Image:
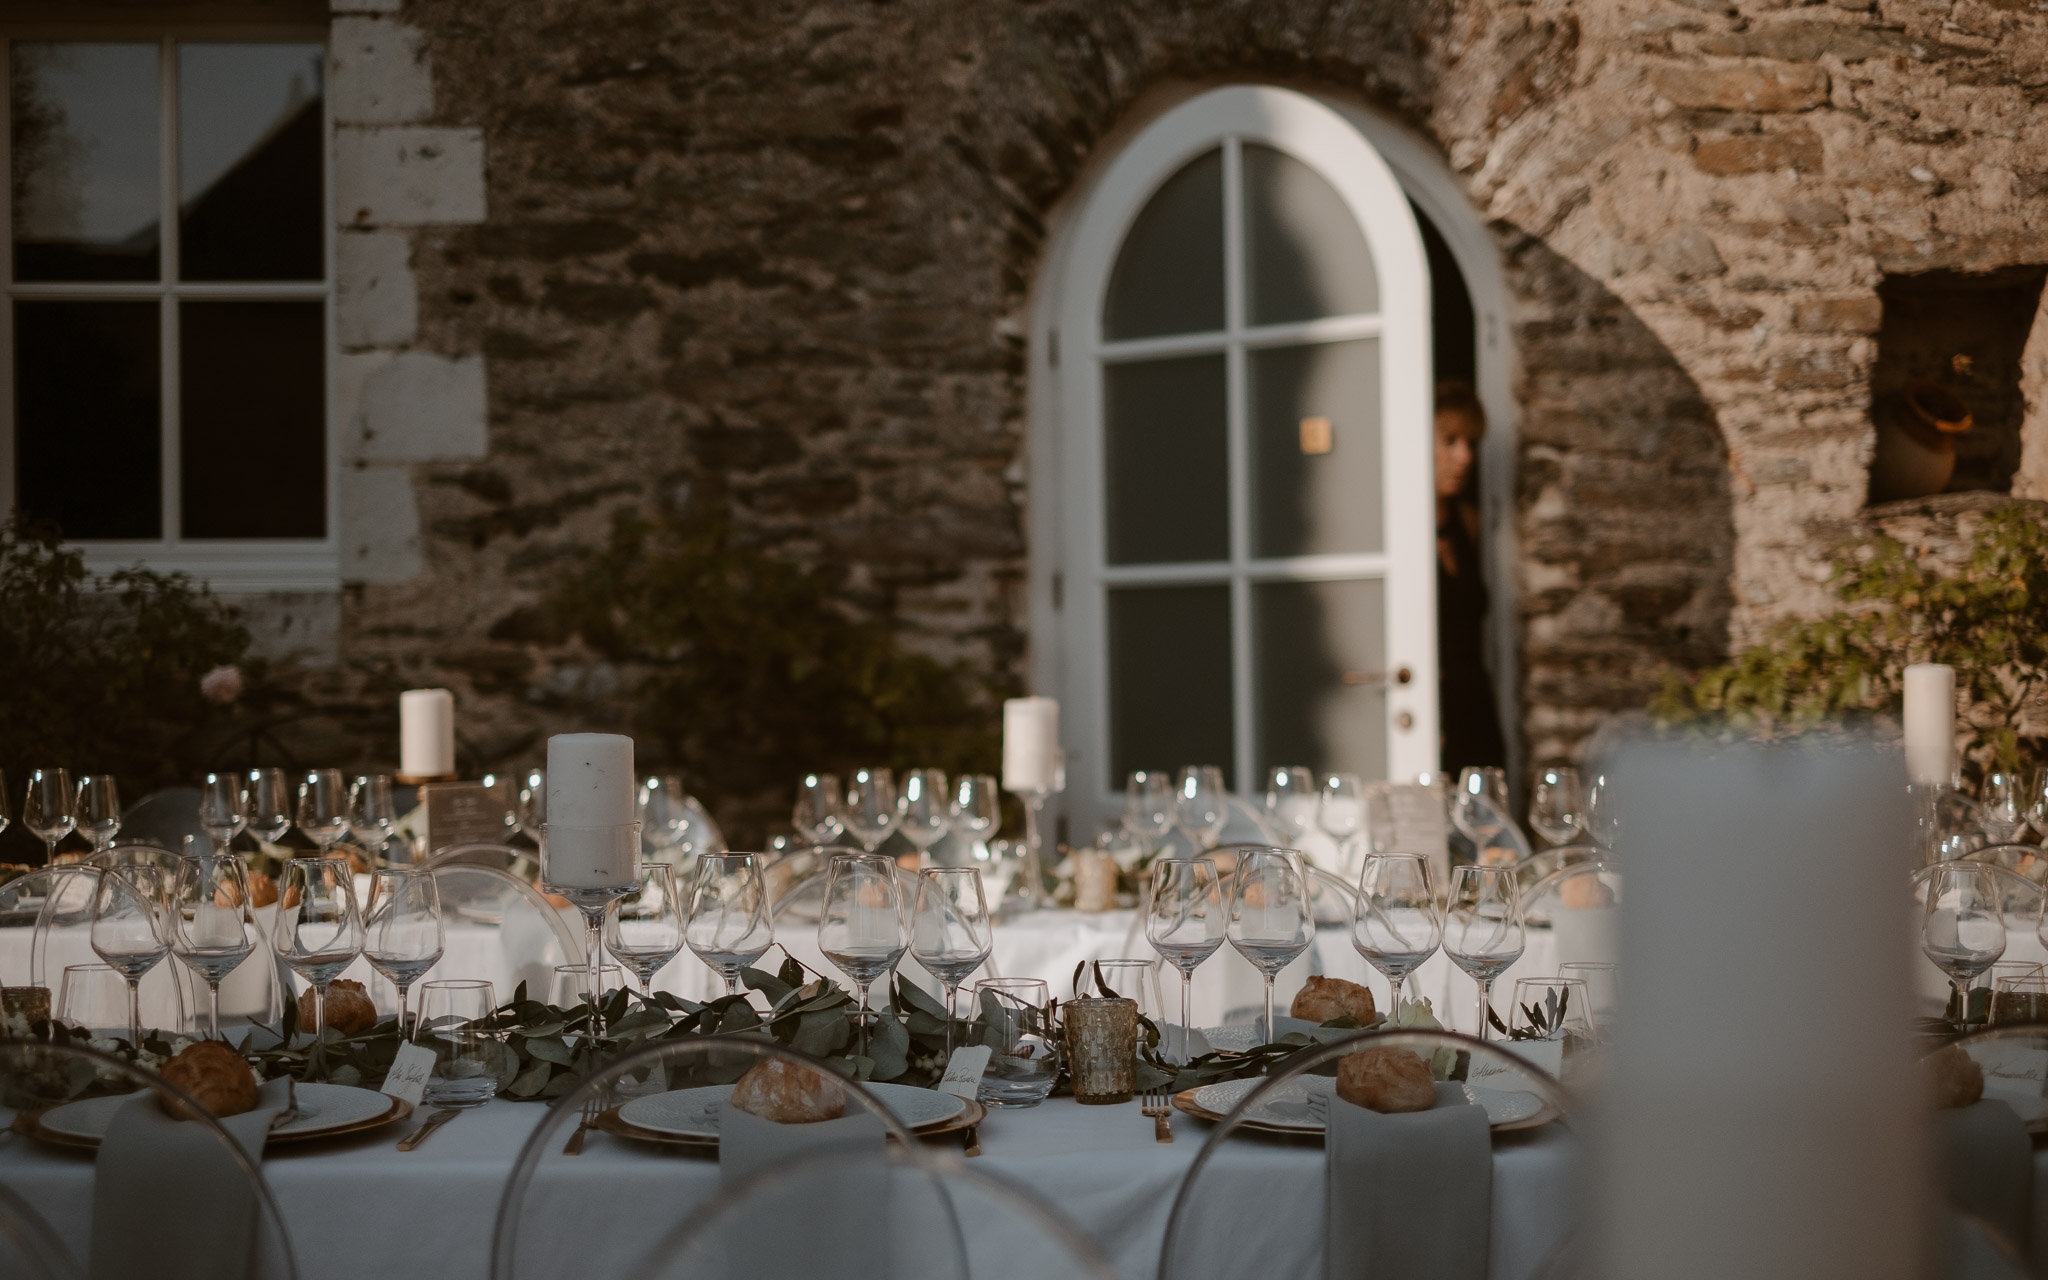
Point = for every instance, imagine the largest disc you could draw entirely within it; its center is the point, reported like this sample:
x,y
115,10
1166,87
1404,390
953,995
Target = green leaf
x,y
821,1034
547,1049
889,1047
767,984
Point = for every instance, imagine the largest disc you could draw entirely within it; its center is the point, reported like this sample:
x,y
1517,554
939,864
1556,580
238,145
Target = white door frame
x,y
1067,592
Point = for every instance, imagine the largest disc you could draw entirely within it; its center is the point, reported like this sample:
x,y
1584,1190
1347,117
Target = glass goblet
x,y
323,807
730,924
50,808
223,806
1271,918
870,810
646,931
1186,924
816,816
209,917
1398,923
128,930
1201,804
1483,930
99,809
372,811
1149,806
923,809
1291,801
271,805
951,931
403,937
977,809
860,926
1341,809
1557,805
319,928
2002,806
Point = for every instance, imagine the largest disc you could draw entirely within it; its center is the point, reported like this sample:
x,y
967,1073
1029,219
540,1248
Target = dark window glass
x,y
1169,678
88,447
1315,488
1318,651
252,430
83,127
1168,276
1304,253
1164,440
250,192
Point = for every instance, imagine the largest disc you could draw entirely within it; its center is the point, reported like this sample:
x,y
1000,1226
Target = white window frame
x,y
1070,578
231,566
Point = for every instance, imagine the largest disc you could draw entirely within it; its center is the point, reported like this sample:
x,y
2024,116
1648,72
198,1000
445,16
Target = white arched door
x,y
1238,554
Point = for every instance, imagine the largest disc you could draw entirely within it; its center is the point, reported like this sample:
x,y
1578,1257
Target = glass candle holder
x,y
1102,1049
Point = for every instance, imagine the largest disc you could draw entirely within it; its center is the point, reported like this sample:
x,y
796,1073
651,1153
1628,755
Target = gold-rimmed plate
x,y
327,1111
611,1122
1523,1118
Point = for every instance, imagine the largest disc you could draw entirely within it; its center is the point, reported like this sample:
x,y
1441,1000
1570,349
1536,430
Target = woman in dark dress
x,y
1468,723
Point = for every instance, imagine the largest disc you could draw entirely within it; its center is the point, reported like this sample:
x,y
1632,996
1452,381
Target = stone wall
x,y
782,253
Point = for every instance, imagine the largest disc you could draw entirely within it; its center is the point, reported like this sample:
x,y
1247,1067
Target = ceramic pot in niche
x,y
1916,447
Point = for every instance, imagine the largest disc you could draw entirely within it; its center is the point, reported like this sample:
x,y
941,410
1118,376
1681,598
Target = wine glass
x,y
646,931
1962,929
223,806
951,932
870,811
319,929
98,810
730,925
977,808
2037,803
1186,924
1340,810
665,811
860,928
1480,807
271,805
530,803
323,807
924,808
49,810
1601,821
2003,806
1291,801
1271,919
5,816
209,917
1200,805
372,811
816,818
1557,805
402,935
1149,806
1483,930
1398,923
128,930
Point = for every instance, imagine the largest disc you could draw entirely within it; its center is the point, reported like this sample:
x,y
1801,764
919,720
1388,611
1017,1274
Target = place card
x,y
462,813
963,1071
2012,1067
409,1073
1547,1054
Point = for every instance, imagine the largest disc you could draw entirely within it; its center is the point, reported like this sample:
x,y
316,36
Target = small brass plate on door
x,y
1315,435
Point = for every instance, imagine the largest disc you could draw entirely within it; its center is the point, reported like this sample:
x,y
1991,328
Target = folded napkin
x,y
169,1200
845,1224
1988,1166
1408,1197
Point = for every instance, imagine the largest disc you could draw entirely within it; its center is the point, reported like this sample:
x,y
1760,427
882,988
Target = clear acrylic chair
x,y
38,1078
480,854
534,935
2029,860
164,817
61,937
1252,1201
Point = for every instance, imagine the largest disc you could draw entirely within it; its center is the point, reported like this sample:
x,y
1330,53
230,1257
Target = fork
x,y
574,1146
1155,1105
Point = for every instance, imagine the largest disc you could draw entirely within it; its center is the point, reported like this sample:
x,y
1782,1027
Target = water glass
x,y
1558,1008
924,808
816,817
870,810
1150,806
951,931
569,986
209,917
861,927
1603,988
93,996
454,1025
323,807
223,806
403,936
977,809
1483,930
1962,929
1201,804
1398,922
98,809
1557,805
730,925
271,805
2020,998
1185,925
50,808
319,928
128,930
1271,918
1025,1061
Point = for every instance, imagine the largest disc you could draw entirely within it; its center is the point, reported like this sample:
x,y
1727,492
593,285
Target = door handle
x,y
1378,679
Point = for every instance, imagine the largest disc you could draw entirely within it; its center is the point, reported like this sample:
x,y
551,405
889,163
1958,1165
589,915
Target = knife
x,y
425,1131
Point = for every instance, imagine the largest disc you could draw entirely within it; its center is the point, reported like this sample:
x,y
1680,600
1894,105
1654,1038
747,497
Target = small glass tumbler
x,y
1025,1063
466,1053
1102,1049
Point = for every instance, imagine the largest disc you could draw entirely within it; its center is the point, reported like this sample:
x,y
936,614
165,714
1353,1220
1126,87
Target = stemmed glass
x,y
2003,806
209,917
1601,821
870,811
99,809
49,810
1271,918
1291,801
530,803
1149,806
924,808
1480,808
2037,803
1186,923
403,937
323,808
319,930
860,928
1200,806
372,812
223,807
664,811
730,925
1483,930
1341,810
128,930
270,804
977,808
1399,922
950,930
1557,805
646,931
816,817
1963,927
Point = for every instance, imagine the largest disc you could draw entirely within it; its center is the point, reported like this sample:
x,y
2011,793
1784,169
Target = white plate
x,y
693,1113
1237,1039
321,1107
1287,1107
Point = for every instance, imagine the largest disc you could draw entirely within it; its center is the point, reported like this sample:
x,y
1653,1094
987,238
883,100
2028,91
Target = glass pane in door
x,y
84,137
1319,654
1169,678
250,159
1315,449
1166,487
1168,276
1304,254
87,434
253,431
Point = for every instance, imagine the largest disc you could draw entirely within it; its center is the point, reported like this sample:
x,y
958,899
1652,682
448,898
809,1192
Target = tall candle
x,y
1930,723
1031,744
590,780
426,733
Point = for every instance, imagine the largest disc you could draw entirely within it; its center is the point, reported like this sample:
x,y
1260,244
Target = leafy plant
x,y
1988,619
1542,1020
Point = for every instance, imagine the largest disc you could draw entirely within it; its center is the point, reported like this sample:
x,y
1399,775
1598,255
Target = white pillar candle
x,y
1930,723
591,857
590,780
426,733
1031,744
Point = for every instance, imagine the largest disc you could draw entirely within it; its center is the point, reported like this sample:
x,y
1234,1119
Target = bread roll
x,y
1584,892
789,1093
1953,1077
1386,1080
1326,998
349,1008
216,1076
262,892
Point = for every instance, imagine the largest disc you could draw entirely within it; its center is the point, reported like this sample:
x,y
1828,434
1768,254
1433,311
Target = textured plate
x,y
325,1110
693,1113
1237,1038
972,1114
1505,1109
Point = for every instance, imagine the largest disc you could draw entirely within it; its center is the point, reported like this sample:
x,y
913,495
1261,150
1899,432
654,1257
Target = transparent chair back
x,y
32,904
2029,860
62,940
804,900
533,934
164,817
504,857
91,1085
1257,1207
1577,906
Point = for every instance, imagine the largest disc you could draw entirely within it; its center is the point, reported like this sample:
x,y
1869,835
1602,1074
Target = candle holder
x,y
1102,1049
593,867
1035,897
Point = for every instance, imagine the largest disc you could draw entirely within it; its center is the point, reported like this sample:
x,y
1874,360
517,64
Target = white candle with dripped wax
x,y
592,840
1930,718
426,733
1031,744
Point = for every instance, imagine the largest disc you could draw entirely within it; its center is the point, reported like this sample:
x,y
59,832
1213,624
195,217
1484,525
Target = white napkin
x,y
169,1200
843,1232
1408,1197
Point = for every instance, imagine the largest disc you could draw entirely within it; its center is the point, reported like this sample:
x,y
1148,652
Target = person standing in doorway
x,y
1470,726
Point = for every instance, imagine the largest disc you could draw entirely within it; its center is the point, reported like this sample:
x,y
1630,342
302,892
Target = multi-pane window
x,y
167,299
